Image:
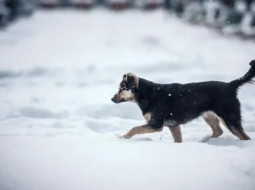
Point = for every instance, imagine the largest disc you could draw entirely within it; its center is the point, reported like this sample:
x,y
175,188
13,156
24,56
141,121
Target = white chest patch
x,y
147,117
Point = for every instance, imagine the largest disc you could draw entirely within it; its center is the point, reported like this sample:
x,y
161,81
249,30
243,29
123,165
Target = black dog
x,y
175,104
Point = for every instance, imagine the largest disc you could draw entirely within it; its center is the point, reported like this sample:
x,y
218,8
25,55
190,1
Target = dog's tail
x,y
247,78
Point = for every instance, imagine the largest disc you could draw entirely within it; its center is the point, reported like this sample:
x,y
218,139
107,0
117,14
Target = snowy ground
x,y
59,129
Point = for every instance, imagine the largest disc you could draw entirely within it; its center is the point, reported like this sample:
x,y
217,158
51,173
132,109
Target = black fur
x,y
175,104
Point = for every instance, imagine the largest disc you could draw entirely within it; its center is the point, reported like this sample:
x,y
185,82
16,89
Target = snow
x,y
59,128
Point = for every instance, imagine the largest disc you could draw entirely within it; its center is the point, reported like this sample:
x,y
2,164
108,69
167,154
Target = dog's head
x,y
127,89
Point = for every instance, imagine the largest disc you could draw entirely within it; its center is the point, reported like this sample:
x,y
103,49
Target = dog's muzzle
x,y
115,100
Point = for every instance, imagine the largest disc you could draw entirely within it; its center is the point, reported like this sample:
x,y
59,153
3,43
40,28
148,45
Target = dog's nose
x,y
113,99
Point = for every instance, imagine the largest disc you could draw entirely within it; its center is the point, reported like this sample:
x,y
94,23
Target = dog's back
x,y
184,102
188,101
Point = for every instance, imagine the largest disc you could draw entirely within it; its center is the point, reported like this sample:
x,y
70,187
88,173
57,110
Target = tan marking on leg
x,y
240,134
140,130
237,133
213,121
147,117
223,122
176,133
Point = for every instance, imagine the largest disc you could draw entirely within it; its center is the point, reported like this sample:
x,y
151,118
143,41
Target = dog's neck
x,y
142,94
144,85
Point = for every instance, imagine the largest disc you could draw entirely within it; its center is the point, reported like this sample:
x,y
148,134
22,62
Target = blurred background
x,y
61,61
231,17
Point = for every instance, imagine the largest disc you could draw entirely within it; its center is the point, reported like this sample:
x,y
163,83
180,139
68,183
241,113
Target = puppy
x,y
174,104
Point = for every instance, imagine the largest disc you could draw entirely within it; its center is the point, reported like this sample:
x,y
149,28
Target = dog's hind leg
x,y
239,132
231,118
213,121
176,133
235,128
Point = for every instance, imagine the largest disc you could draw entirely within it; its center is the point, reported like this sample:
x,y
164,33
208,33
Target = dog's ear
x,y
131,81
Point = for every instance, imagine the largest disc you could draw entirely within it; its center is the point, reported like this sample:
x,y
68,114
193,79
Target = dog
x,y
175,104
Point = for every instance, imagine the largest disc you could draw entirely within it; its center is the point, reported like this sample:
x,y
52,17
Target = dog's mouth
x,y
116,101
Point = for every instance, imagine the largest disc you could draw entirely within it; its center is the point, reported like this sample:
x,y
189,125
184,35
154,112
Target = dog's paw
x,y
124,137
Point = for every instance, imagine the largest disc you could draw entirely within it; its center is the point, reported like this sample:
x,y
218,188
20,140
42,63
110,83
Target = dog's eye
x,y
123,88
124,85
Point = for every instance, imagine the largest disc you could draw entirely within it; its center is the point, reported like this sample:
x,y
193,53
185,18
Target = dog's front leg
x,y
139,130
176,133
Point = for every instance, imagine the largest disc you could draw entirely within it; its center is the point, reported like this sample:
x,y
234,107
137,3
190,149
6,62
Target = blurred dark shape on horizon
x,y
229,17
10,10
